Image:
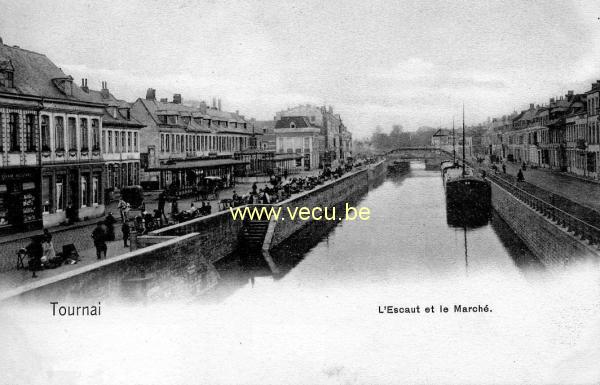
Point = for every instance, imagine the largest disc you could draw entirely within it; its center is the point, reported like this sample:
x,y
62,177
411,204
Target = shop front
x,y
20,200
71,193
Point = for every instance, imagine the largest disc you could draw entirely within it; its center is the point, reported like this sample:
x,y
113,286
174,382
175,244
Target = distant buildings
x,y
335,147
298,137
563,135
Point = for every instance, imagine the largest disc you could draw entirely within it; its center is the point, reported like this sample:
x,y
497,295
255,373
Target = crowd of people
x,y
280,188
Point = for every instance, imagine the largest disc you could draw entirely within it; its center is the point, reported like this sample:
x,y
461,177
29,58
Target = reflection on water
x,y
409,236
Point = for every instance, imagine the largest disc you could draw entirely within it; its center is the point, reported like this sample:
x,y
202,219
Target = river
x,y
407,238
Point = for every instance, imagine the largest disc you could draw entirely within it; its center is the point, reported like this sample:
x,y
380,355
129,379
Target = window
x,y
167,142
162,142
96,135
135,142
13,132
84,192
7,79
45,127
104,142
1,134
95,191
60,199
84,134
72,124
110,142
46,194
117,140
30,144
129,142
123,142
306,144
59,132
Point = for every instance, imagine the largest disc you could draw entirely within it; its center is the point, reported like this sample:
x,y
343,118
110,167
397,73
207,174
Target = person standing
x,y
99,237
110,221
35,252
520,176
161,206
125,230
504,168
123,209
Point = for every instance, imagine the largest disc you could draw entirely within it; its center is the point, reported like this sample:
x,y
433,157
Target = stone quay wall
x,y
164,269
549,242
328,195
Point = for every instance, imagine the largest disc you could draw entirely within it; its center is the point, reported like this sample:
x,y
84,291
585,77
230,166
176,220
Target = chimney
x,y
177,98
551,100
84,86
214,103
151,94
330,109
237,112
219,104
104,90
1,42
203,107
531,106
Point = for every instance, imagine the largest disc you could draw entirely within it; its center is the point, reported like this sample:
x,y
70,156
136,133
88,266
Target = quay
x,y
183,254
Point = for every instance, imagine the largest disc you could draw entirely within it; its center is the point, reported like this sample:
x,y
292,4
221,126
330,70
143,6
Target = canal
x,y
407,238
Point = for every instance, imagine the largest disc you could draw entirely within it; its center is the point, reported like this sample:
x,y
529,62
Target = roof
x,y
202,163
108,119
266,125
156,108
34,74
299,122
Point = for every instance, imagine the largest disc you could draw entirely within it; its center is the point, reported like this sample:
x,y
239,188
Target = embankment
x,y
551,243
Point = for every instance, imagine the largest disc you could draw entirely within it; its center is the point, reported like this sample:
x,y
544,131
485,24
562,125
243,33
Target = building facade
x,y
180,143
297,135
50,128
336,144
119,140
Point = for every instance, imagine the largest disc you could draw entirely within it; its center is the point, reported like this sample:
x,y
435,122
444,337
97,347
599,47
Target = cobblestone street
x,y
582,192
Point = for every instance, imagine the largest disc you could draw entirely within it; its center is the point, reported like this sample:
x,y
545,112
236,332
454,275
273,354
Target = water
x,y
407,238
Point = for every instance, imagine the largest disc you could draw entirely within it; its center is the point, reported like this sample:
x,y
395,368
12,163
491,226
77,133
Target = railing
x,y
573,224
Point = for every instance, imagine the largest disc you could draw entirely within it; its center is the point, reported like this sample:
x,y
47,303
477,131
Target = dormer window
x,y
65,85
7,72
292,125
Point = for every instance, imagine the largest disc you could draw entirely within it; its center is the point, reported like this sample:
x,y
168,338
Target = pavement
x,y
579,191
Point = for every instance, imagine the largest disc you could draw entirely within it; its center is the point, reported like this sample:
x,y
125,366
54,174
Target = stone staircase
x,y
253,234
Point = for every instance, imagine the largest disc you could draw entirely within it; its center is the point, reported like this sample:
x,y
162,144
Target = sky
x,y
412,63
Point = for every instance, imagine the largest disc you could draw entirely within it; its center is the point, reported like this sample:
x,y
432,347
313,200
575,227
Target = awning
x,y
287,156
193,164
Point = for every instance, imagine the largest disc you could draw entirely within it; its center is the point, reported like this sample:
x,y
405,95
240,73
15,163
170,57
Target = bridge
x,y
432,156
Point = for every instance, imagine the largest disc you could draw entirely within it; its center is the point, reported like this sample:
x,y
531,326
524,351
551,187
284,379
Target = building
x,y
297,135
120,140
49,128
180,144
333,152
